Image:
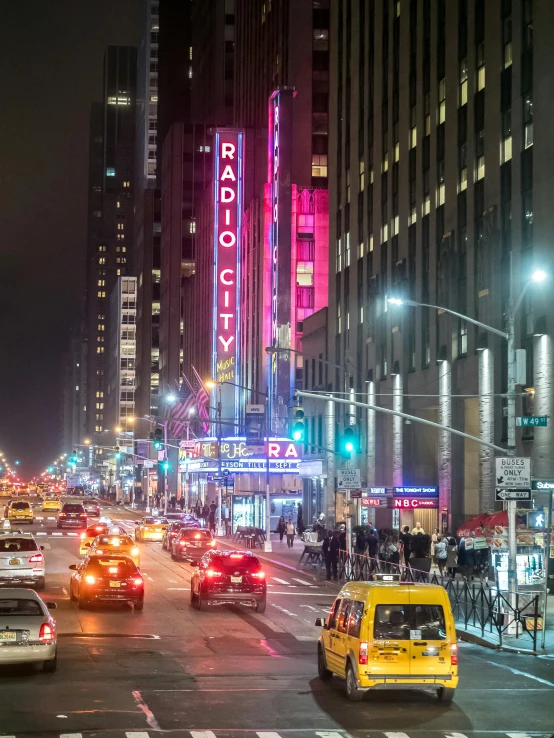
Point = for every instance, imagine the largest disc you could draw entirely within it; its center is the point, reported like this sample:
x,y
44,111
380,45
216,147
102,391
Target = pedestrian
x,y
406,538
451,556
173,502
434,538
158,498
204,514
281,527
342,537
211,520
361,543
372,548
441,553
333,546
290,533
182,503
417,529
326,550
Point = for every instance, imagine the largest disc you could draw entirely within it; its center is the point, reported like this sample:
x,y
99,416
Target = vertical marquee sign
x,y
228,203
281,370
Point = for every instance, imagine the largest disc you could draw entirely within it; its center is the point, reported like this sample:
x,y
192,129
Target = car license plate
x,y
15,562
8,635
115,584
390,657
236,580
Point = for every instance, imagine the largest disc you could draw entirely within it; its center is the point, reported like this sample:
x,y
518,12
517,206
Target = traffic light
x,y
117,452
50,470
298,427
158,439
165,466
349,441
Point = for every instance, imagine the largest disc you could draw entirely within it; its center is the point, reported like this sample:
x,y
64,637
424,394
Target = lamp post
x,y
513,306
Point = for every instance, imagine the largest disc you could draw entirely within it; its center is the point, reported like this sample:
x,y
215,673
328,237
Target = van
x,y
390,634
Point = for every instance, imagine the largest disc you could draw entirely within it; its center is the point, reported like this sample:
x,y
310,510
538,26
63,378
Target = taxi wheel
x,y
446,694
322,670
353,692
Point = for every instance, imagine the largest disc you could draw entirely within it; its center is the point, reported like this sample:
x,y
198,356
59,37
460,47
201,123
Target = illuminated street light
x,y
118,429
87,441
170,398
539,276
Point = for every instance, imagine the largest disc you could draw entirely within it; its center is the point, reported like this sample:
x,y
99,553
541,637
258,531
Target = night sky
x,y
51,54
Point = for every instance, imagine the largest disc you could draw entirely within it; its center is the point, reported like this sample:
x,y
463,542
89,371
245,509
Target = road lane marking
x,y
334,734
41,533
281,581
397,735
309,607
72,534
202,734
56,534
518,735
455,735
71,735
137,734
178,589
287,612
517,672
267,734
301,581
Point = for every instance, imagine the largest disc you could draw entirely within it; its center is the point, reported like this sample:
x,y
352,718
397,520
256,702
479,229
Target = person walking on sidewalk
x,y
281,527
330,548
441,554
291,530
182,503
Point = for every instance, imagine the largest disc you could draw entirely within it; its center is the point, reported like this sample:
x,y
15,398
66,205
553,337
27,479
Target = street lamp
x,y
537,277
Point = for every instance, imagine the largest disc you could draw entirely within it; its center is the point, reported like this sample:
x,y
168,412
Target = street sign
x,y
513,472
536,421
348,478
500,495
148,464
255,409
187,445
355,494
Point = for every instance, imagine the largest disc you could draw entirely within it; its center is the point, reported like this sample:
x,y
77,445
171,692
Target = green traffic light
x,y
297,435
118,455
165,466
349,446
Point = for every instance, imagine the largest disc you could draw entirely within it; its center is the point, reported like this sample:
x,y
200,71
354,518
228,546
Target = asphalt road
x,y
231,673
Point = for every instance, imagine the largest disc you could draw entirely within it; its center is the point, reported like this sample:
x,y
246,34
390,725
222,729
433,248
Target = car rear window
x,y
149,521
73,507
20,506
99,566
20,607
409,622
196,534
115,541
13,545
227,565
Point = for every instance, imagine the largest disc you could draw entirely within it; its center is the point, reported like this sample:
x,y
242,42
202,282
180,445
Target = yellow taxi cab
x,y
19,510
119,544
150,529
390,634
88,536
51,503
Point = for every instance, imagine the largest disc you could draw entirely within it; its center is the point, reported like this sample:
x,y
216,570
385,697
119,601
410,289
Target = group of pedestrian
x,y
288,529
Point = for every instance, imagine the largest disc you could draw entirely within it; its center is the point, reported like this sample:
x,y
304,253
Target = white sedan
x,y
27,630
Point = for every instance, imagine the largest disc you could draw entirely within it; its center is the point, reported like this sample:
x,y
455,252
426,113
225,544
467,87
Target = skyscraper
x,y
110,224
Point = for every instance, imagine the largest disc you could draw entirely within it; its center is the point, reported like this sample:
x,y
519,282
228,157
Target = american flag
x,y
202,400
180,410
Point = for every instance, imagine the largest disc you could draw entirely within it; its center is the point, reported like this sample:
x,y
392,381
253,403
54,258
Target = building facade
x,y
438,180
120,398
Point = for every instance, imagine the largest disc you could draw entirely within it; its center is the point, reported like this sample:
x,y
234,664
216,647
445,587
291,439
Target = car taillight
x,y
212,543
89,579
258,574
138,582
62,515
236,556
46,634
83,536
363,652
454,654
182,543
36,559
211,573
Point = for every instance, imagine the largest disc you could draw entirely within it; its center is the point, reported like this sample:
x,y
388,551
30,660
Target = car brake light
x,y
99,528
83,536
89,579
212,543
198,536
454,654
62,515
112,569
258,574
236,556
36,559
99,552
363,652
182,543
211,573
46,634
137,582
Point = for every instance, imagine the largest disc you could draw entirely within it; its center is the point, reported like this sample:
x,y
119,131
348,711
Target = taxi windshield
x,y
409,622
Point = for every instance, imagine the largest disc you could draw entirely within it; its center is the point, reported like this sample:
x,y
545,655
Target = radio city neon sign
x,y
275,215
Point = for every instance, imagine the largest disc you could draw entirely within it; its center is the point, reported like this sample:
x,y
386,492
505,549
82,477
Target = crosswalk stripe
x,y
41,533
72,534
397,735
518,735
328,734
202,734
281,581
137,734
455,735
301,581
71,735
56,534
267,734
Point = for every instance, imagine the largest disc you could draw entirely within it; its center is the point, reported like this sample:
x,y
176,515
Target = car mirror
x,y
73,567
51,606
42,548
137,522
320,622
87,545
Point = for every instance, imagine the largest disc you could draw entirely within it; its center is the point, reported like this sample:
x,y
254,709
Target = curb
x,y
463,635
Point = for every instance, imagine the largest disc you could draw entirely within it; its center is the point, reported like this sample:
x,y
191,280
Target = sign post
x,y
348,478
503,495
536,421
512,473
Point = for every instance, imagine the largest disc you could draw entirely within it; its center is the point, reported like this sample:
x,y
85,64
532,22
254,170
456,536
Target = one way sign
x,y
513,472
501,495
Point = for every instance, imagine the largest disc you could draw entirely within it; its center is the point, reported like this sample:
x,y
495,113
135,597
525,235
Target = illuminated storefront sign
x,y
374,502
228,178
415,491
412,503
246,466
234,449
281,369
375,491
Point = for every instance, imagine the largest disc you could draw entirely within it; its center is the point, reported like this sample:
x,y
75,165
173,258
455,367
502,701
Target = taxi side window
x,y
333,615
342,624
355,620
